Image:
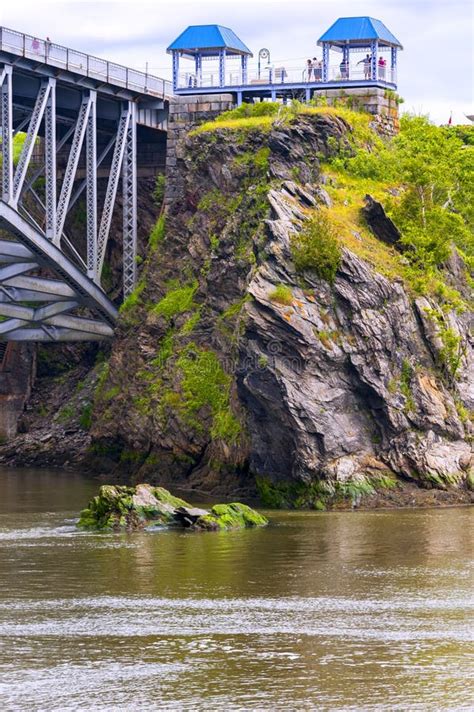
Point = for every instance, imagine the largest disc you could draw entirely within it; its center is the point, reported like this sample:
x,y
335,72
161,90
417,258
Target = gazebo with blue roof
x,y
354,52
207,43
360,34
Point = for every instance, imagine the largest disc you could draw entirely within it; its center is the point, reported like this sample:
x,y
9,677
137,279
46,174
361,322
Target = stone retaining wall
x,y
185,113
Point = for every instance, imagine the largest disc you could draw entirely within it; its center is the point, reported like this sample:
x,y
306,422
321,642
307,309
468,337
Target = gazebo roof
x,y
357,30
208,40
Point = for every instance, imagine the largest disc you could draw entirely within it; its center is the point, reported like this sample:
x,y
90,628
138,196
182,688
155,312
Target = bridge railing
x,y
80,63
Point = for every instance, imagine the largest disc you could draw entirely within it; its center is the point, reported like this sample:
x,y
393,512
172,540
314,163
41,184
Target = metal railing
x,y
86,65
276,75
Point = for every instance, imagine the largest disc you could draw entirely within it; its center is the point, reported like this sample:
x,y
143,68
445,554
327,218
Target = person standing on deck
x,y
381,68
317,69
367,61
309,70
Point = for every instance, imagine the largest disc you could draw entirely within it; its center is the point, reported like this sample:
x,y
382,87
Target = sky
x,y
435,70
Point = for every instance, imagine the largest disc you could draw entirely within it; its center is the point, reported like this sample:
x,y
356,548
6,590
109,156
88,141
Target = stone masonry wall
x,y
186,112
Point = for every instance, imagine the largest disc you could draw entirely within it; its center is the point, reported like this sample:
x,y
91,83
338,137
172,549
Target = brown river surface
x,y
319,611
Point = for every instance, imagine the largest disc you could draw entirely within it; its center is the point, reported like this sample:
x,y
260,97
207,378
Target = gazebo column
x,y
244,61
345,59
175,69
198,65
325,76
393,65
374,59
222,55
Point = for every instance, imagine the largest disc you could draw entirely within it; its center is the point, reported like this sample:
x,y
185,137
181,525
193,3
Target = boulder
x,y
132,508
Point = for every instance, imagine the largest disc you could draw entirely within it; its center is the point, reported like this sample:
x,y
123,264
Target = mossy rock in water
x,y
231,516
119,507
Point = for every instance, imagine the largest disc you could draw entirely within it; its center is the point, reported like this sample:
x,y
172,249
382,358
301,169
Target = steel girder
x,y
70,306
112,187
129,183
6,117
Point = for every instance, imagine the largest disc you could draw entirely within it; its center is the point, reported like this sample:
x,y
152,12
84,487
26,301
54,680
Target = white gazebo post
x,y
393,65
374,60
175,70
222,57
325,61
198,67
244,63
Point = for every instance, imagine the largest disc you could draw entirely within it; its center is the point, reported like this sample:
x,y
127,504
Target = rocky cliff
x,y
251,359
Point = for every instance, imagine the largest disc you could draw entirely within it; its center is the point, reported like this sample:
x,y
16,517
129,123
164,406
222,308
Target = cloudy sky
x,y
435,72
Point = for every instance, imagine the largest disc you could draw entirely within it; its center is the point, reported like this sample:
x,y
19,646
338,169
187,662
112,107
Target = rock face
x,y
232,372
132,508
339,385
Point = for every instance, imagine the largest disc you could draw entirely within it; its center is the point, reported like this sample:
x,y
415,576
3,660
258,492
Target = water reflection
x,y
318,611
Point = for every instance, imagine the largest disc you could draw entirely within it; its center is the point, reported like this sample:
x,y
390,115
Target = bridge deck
x,y
50,54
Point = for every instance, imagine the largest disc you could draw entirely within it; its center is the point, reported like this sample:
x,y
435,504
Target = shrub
x,y
157,234
159,190
282,295
316,247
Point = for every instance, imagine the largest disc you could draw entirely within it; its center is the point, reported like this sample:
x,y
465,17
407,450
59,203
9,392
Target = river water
x,y
331,611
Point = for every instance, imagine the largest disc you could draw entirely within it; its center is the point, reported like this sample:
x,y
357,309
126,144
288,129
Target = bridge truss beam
x,y
38,261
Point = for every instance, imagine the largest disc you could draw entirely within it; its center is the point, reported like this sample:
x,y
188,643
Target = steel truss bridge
x,y
77,113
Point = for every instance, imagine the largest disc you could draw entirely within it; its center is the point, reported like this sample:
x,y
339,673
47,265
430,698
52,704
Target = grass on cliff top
x,y
249,123
262,117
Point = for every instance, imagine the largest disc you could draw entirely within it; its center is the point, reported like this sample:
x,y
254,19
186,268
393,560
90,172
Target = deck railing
x,y
86,65
276,75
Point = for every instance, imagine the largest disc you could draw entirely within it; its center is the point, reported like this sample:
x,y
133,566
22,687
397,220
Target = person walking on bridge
x,y
309,70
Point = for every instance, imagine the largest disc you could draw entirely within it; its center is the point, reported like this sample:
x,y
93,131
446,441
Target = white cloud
x,y
435,69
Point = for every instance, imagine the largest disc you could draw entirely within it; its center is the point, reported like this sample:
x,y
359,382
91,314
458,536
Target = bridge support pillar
x,y
50,163
129,180
6,124
91,192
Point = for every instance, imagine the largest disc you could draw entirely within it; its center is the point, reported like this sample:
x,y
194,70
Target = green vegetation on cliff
x,y
433,170
204,386
316,247
321,494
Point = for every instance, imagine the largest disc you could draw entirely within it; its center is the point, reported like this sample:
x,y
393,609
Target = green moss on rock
x,y
321,494
118,508
232,516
